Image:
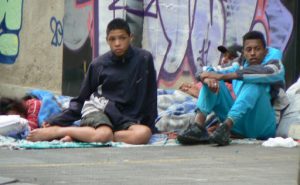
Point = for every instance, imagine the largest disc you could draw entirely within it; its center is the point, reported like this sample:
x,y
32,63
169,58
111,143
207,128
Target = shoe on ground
x,y
221,135
194,135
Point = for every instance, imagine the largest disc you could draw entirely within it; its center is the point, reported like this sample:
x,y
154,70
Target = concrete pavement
x,y
200,164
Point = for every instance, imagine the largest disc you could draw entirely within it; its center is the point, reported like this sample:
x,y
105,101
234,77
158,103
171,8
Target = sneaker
x,y
221,135
193,135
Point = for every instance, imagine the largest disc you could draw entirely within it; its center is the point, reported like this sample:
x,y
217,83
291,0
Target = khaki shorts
x,y
95,119
125,126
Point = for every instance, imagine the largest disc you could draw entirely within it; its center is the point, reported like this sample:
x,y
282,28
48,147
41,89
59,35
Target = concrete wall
x,y
38,60
182,35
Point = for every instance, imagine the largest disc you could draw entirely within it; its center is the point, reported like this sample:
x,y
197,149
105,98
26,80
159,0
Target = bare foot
x,y
211,129
185,87
44,134
66,139
191,89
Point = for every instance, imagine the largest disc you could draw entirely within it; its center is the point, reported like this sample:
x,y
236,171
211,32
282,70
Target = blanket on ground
x,y
175,110
11,143
156,140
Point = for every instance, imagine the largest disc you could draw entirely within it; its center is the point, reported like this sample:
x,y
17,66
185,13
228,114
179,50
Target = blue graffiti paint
x,y
57,30
139,12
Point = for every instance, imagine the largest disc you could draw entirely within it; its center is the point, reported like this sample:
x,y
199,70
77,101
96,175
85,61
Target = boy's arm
x,y
225,69
73,113
271,72
151,105
217,76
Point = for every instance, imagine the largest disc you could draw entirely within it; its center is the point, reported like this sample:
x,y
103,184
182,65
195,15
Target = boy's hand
x,y
45,125
212,84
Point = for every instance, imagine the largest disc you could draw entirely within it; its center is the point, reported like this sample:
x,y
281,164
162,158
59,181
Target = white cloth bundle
x,y
13,126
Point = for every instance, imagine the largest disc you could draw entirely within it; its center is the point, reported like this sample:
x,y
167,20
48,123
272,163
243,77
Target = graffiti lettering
x,y
184,35
10,25
57,30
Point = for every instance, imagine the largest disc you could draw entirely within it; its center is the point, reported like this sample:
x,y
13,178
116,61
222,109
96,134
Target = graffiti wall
x,y
189,39
31,36
183,35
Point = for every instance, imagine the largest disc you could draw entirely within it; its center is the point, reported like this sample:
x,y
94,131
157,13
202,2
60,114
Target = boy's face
x,y
254,51
227,58
118,41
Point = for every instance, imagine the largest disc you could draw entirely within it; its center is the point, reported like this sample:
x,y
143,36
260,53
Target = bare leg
x,y
228,122
85,134
136,134
44,134
211,129
200,118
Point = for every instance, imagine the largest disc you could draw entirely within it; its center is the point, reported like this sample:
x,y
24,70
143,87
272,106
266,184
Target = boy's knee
x,y
102,135
145,131
142,133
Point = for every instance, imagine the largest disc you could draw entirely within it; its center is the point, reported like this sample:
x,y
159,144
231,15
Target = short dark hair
x,y
233,50
10,104
255,35
118,23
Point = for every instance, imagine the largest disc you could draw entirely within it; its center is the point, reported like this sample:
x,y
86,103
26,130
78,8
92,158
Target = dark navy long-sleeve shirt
x,y
129,83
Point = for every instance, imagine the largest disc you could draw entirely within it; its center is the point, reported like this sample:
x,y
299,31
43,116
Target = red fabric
x,y
199,85
33,107
229,86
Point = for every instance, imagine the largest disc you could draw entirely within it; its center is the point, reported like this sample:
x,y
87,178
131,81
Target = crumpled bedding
x,y
175,110
51,103
14,126
290,123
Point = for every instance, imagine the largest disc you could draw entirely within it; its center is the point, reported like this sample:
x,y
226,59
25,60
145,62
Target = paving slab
x,y
5,180
200,164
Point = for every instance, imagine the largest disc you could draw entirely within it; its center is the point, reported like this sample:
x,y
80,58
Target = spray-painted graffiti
x,y
78,47
183,34
10,26
57,30
190,38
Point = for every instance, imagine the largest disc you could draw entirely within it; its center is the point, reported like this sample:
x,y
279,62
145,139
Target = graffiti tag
x,y
57,30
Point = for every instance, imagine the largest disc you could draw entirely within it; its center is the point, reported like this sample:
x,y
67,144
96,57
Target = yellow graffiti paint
x,y
10,48
11,11
10,21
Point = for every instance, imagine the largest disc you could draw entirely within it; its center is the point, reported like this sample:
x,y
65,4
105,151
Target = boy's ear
x,y
266,51
131,37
